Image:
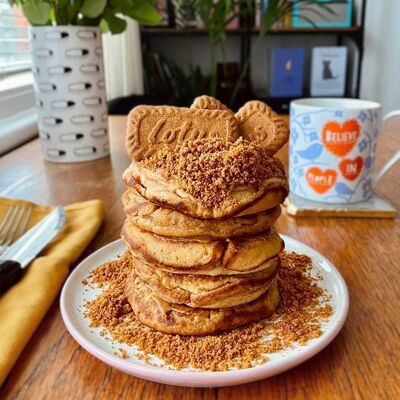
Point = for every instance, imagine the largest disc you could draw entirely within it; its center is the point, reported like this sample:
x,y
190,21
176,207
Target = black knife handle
x,y
10,273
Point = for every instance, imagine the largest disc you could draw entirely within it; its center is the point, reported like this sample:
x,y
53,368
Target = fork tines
x,y
13,225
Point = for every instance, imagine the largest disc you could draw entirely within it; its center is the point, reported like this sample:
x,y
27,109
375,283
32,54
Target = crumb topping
x,y
298,319
210,169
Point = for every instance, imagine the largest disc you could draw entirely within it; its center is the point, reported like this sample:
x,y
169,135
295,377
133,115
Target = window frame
x,y
18,116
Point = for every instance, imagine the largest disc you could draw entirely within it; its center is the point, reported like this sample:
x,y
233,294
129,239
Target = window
x,y
14,40
17,113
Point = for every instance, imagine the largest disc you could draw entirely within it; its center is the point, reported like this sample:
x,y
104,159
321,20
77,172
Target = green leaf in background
x,y
103,26
115,24
36,11
73,11
62,3
62,17
93,8
101,13
143,11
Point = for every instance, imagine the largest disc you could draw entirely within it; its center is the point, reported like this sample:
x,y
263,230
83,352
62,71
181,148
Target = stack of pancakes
x,y
201,267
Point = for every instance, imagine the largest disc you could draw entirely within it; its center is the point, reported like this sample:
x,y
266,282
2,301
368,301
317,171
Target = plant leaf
x,y
93,8
115,24
62,3
73,11
103,26
37,12
270,16
142,11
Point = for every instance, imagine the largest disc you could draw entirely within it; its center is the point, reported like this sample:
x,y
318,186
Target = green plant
x,y
171,83
276,11
217,14
103,13
188,84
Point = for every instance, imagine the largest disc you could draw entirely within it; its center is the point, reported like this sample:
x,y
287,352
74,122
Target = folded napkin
x,y
24,305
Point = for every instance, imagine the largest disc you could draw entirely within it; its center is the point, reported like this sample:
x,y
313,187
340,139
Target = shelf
x,y
351,31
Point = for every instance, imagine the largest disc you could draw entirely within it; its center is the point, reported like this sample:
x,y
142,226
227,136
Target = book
x,y
328,71
264,6
258,13
162,8
339,17
235,23
286,72
287,19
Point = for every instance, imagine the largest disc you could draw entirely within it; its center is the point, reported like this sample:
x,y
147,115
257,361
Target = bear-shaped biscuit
x,y
151,127
258,123
208,103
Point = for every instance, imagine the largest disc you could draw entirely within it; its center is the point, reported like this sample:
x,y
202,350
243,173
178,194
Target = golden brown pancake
x,y
164,192
202,256
166,222
182,320
205,291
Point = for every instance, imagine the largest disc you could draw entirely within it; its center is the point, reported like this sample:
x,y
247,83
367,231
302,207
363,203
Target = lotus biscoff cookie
x,y
258,123
208,103
151,127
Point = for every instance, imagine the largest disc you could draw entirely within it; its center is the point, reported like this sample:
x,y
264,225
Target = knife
x,y
17,257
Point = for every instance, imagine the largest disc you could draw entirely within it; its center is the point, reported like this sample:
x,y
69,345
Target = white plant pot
x,y
70,92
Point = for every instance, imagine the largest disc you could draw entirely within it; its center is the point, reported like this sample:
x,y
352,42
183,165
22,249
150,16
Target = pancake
x,y
201,256
164,192
166,222
182,320
222,291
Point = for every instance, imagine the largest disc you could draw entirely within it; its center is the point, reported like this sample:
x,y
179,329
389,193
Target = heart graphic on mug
x,y
339,139
351,169
321,180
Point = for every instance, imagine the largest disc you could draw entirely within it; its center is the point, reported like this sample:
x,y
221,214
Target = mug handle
x,y
393,160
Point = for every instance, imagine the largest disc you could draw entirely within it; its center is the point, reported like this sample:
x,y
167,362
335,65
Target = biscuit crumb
x,y
298,319
210,169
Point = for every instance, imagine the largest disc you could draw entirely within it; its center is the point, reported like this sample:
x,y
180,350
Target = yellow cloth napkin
x,y
24,305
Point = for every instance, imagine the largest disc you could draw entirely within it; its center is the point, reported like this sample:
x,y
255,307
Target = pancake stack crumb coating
x,y
200,229
303,308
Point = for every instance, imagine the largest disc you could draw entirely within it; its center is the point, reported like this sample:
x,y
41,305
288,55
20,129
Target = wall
x,y
380,79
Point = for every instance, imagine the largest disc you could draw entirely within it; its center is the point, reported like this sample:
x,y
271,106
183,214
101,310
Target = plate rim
x,y
206,378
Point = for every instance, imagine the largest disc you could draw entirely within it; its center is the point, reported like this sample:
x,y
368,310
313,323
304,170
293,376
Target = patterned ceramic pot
x,y
70,92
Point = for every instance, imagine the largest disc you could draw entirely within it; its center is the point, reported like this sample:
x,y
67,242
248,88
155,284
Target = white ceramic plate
x,y
73,297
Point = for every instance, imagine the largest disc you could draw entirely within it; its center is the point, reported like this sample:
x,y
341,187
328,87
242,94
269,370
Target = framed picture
x,y
328,71
340,18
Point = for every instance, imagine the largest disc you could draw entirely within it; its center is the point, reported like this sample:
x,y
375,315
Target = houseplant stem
x,y
243,72
213,75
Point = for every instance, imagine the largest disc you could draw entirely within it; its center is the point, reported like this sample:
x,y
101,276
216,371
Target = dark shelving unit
x,y
353,33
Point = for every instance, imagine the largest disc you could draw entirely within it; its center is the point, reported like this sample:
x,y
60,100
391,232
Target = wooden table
x,y
361,363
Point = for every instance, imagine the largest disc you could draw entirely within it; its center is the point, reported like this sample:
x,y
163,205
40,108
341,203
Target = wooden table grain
x,y
361,363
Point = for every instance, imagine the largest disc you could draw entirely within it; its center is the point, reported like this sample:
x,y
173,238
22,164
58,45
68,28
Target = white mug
x,y
332,149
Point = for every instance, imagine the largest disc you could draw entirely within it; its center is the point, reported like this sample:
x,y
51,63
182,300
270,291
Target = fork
x,y
13,225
